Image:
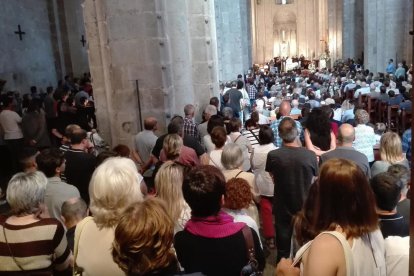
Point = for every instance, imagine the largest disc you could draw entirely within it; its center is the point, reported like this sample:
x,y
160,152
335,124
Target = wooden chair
x,y
405,120
363,101
382,112
393,118
371,108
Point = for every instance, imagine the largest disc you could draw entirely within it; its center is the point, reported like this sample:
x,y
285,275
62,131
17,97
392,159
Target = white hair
x,y
114,185
211,110
26,191
232,156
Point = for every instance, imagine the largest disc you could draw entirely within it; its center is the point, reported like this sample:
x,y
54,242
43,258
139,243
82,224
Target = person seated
x,y
390,150
211,242
393,98
402,173
44,246
387,191
73,211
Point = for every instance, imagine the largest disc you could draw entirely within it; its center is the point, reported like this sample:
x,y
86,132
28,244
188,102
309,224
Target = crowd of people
x,y
290,162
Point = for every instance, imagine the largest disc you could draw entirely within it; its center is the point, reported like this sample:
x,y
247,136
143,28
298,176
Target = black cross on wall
x,y
19,32
83,41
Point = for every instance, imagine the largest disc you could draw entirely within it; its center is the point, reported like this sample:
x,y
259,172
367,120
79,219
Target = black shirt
x,y
215,256
79,169
293,169
394,225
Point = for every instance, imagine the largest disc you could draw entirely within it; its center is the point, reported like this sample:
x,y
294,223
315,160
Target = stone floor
x,y
270,261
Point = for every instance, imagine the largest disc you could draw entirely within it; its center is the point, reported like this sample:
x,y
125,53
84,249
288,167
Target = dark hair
x,y
176,125
48,160
288,131
215,120
255,116
234,125
266,135
77,136
218,136
319,128
240,84
387,190
203,188
214,101
391,93
354,210
250,123
122,150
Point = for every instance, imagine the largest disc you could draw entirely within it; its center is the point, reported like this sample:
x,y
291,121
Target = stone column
x,y
335,9
167,46
386,32
352,29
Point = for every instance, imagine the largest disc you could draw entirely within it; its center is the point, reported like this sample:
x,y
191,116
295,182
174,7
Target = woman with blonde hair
x,y
168,183
390,153
114,186
145,247
173,149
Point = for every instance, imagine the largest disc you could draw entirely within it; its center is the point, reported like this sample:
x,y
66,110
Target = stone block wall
x,y
168,46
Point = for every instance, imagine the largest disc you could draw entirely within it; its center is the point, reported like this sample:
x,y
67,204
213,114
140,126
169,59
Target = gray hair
x,y
189,109
211,110
288,130
227,113
232,156
74,208
361,116
26,191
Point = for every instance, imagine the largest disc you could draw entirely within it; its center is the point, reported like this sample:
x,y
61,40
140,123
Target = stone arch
x,y
284,33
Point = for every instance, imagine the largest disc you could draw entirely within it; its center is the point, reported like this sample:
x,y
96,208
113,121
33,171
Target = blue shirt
x,y
390,68
406,144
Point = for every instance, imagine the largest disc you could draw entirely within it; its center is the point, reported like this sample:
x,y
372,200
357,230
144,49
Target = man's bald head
x,y
150,123
346,134
284,108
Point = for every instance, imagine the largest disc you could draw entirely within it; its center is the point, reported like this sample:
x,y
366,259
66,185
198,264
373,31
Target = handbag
x,y
77,270
251,268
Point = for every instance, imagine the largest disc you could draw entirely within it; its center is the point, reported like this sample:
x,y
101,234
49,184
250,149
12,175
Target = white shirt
x,y
397,251
9,121
263,179
215,159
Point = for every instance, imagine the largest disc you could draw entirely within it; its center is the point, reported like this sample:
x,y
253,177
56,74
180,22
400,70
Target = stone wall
x,y
386,25
233,29
168,46
353,29
29,61
75,30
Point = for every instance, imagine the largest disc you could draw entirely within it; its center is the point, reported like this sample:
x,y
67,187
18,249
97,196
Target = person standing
x,y
293,169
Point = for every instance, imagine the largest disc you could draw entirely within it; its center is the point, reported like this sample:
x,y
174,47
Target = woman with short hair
x,y
219,138
145,247
114,186
232,160
390,152
168,186
236,137
29,242
265,182
212,243
215,120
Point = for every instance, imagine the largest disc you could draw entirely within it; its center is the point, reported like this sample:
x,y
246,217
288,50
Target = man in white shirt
x,y
145,140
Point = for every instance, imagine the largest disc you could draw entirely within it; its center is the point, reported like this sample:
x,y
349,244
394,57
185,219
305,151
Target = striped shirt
x,y
250,135
35,246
